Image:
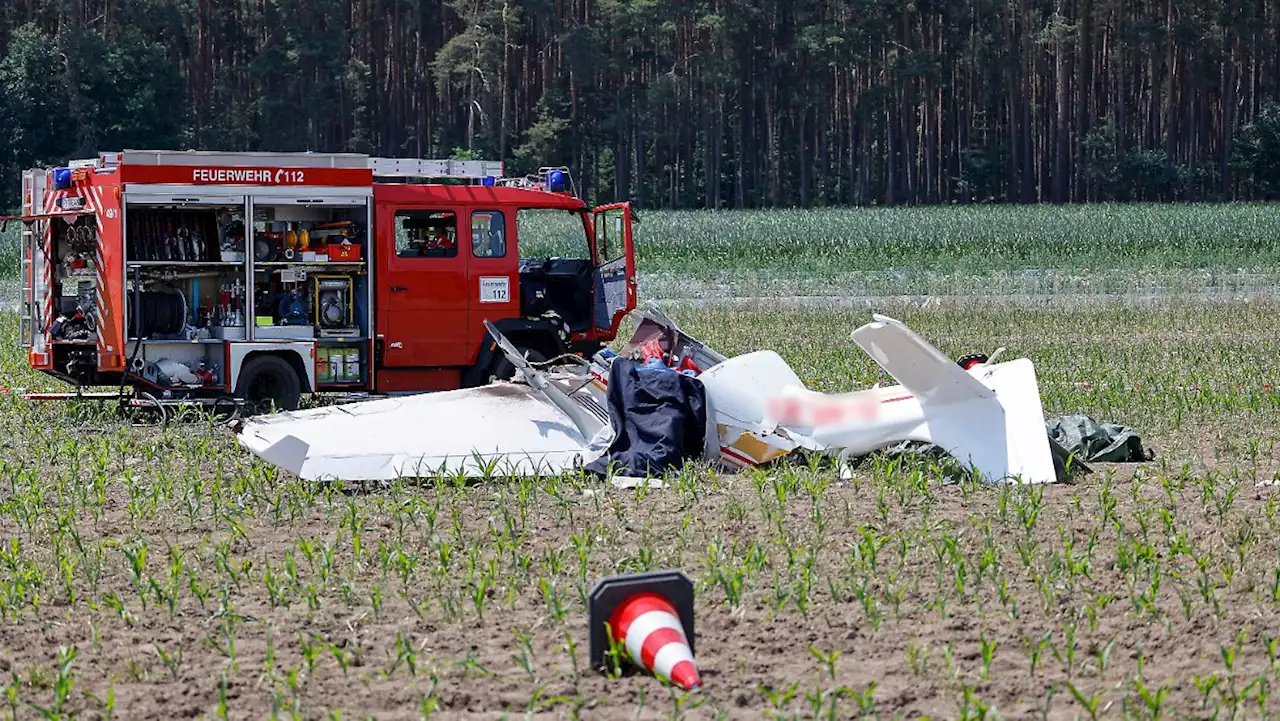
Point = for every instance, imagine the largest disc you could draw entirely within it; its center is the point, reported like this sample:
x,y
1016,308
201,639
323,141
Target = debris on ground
x,y
503,429
668,399
1100,442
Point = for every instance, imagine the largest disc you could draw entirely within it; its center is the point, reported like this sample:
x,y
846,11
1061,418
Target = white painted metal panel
x,y
508,425
931,376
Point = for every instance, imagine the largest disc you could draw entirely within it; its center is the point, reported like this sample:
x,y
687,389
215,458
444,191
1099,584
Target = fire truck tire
x,y
268,379
503,370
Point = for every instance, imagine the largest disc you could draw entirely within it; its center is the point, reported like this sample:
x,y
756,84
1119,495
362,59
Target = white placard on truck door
x,y
495,289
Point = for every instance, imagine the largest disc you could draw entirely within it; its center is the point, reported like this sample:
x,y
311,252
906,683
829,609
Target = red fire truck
x,y
204,276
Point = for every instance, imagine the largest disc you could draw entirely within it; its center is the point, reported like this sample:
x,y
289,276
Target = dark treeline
x,y
709,103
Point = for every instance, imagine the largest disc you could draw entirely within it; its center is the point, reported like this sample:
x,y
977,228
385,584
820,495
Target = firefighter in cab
x,y
432,237
441,241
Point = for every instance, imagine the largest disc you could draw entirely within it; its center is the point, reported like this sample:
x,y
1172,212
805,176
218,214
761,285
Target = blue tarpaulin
x,y
659,420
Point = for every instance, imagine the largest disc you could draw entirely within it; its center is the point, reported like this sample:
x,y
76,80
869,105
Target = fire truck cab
x,y
267,276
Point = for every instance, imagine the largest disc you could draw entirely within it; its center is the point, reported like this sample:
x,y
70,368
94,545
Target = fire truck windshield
x,y
552,234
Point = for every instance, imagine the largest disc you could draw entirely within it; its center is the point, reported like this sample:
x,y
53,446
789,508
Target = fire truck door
x,y
615,260
423,288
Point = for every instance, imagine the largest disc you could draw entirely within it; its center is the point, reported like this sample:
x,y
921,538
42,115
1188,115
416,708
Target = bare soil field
x,y
165,573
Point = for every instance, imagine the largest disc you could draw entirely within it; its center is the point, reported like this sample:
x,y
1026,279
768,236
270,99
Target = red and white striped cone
x,y
651,616
647,624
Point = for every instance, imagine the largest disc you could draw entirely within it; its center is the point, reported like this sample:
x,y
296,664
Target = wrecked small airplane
x,y
988,416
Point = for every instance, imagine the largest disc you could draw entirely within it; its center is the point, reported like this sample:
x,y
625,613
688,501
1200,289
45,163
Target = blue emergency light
x,y
61,178
488,181
555,181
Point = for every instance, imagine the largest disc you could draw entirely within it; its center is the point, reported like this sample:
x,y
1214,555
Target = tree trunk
x,y
1084,97
1061,129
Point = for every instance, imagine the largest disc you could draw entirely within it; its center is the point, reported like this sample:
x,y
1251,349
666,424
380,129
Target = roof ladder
x,y
423,168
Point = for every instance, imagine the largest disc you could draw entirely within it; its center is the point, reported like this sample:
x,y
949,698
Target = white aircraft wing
x,y
502,430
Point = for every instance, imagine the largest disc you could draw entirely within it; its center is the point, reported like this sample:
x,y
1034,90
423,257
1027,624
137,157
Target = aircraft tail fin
x,y
991,418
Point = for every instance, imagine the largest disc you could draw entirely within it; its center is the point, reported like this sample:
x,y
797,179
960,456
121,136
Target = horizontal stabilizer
x,y
918,366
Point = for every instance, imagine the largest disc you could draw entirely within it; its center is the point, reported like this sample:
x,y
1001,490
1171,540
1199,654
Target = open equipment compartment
x,y
73,330
185,286
310,263
182,232
74,278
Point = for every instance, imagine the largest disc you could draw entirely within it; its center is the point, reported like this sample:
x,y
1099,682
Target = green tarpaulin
x,y
1090,440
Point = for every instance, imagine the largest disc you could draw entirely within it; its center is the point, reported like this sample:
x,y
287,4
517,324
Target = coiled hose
x,y
159,313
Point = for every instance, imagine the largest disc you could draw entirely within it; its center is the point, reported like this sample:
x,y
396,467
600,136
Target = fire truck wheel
x,y
268,380
505,371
